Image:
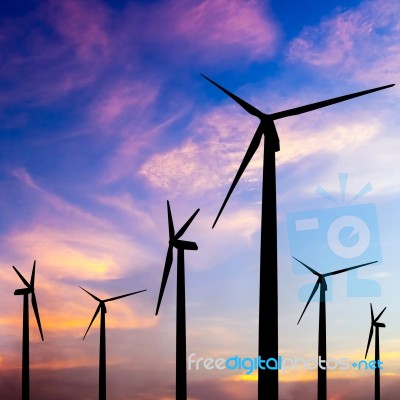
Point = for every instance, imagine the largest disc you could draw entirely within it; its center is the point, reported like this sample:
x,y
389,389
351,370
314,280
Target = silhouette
x,y
181,246
377,325
321,283
102,360
29,290
268,311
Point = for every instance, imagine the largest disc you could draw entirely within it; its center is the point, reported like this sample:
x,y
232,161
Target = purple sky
x,y
104,116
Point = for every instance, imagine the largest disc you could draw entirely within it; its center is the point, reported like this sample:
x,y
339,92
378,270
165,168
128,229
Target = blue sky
x,y
104,116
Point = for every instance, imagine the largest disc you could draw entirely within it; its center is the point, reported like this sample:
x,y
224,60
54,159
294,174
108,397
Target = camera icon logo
x,y
335,238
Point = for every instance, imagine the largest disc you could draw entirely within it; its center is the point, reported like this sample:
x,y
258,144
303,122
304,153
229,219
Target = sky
x,y
104,116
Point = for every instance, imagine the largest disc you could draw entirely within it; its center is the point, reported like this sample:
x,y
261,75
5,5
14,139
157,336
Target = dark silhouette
x,y
321,282
102,360
377,325
181,246
30,289
268,311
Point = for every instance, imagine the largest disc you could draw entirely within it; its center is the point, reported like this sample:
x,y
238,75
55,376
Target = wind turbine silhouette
x,y
102,360
181,246
377,325
321,283
268,311
28,290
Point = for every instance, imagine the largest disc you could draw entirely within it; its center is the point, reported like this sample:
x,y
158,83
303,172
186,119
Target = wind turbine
x,y
181,246
321,283
268,311
377,325
29,289
102,360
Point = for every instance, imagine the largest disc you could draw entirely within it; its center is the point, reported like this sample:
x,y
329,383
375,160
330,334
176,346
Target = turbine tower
x,y
375,324
28,290
268,311
181,246
102,359
323,287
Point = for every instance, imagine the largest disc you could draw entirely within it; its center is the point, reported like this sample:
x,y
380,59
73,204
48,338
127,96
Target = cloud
x,y
224,28
73,45
209,159
53,50
83,25
363,41
69,241
68,252
138,138
122,99
56,202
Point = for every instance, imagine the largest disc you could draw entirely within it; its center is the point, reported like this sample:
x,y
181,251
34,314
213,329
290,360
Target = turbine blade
x,y
33,275
167,269
372,314
91,322
96,298
36,311
22,278
124,295
255,142
184,227
324,103
339,271
310,298
369,340
171,228
309,268
376,319
248,107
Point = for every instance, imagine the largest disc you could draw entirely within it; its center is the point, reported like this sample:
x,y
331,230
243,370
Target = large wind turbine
x,y
375,324
30,289
268,311
102,360
321,283
181,246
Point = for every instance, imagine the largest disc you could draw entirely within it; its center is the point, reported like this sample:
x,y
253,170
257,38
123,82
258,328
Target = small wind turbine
x,y
268,311
323,287
102,360
30,289
181,246
377,325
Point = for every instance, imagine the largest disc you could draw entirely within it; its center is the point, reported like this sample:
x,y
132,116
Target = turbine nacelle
x,y
23,291
183,244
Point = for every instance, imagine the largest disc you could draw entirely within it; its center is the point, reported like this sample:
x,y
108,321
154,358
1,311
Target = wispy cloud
x,y
57,202
362,40
122,99
137,141
83,25
225,28
210,158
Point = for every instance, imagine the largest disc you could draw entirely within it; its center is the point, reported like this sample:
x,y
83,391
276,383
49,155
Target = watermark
x,y
250,365
334,238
